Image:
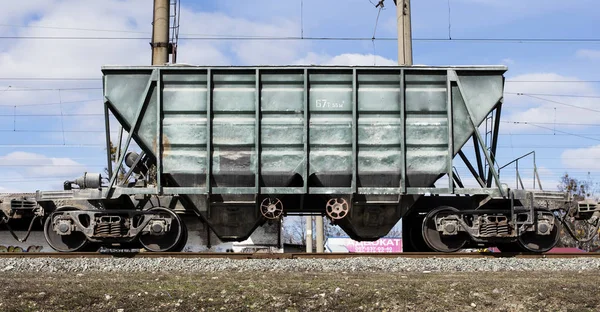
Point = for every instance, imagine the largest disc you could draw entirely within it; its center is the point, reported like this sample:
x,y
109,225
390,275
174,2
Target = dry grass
x,y
301,292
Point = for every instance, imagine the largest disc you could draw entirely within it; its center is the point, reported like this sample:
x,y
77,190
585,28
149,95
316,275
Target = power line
x,y
75,28
575,169
560,103
49,115
193,36
33,180
48,78
553,81
544,134
290,38
52,145
568,133
47,104
114,131
553,123
25,89
55,131
546,158
449,21
100,78
49,165
534,146
558,95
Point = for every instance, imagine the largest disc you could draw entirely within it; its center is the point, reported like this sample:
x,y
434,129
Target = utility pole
x,y
309,237
404,32
160,32
320,234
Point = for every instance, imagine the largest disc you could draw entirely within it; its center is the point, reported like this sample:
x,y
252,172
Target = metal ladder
x,y
174,18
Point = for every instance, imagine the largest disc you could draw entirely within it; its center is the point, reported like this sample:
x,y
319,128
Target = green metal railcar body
x,y
360,143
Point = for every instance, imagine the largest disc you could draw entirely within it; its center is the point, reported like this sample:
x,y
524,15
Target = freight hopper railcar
x,y
239,146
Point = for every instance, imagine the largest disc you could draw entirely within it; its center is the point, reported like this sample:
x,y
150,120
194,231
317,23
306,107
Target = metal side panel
x,y
321,128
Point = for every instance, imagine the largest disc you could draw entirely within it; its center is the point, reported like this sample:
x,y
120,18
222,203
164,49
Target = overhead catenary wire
x,y
26,89
302,37
75,28
449,21
54,131
292,38
52,165
564,132
560,103
380,5
53,145
555,95
100,79
553,123
54,103
197,36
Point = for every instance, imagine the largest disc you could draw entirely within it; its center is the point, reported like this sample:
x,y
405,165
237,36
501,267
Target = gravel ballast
x,y
425,265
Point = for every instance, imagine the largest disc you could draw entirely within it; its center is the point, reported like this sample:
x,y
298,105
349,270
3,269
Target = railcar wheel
x,y
64,243
534,242
167,240
435,239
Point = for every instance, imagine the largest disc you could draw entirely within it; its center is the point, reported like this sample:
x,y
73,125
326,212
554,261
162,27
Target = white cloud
x,y
549,109
16,11
84,58
507,61
586,157
42,166
589,54
348,59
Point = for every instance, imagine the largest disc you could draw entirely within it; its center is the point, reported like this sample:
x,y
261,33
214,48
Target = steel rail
x,y
241,256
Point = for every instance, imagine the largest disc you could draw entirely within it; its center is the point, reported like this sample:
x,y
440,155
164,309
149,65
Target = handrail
x,y
536,177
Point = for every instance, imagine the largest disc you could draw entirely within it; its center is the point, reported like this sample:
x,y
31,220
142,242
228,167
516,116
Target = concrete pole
x,y
320,234
404,33
160,32
309,238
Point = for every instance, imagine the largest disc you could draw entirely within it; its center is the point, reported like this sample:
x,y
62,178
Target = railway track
x,y
242,256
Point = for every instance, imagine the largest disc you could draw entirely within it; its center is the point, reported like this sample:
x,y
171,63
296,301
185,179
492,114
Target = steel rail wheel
x,y
165,241
64,243
534,242
435,239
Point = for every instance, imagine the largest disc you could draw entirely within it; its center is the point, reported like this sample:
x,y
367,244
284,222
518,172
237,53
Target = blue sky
x,y
65,140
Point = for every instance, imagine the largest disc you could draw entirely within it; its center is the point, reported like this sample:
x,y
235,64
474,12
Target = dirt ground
x,y
260,291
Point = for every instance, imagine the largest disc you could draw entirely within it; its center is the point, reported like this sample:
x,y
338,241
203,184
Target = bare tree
x,y
333,230
578,190
295,230
396,231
